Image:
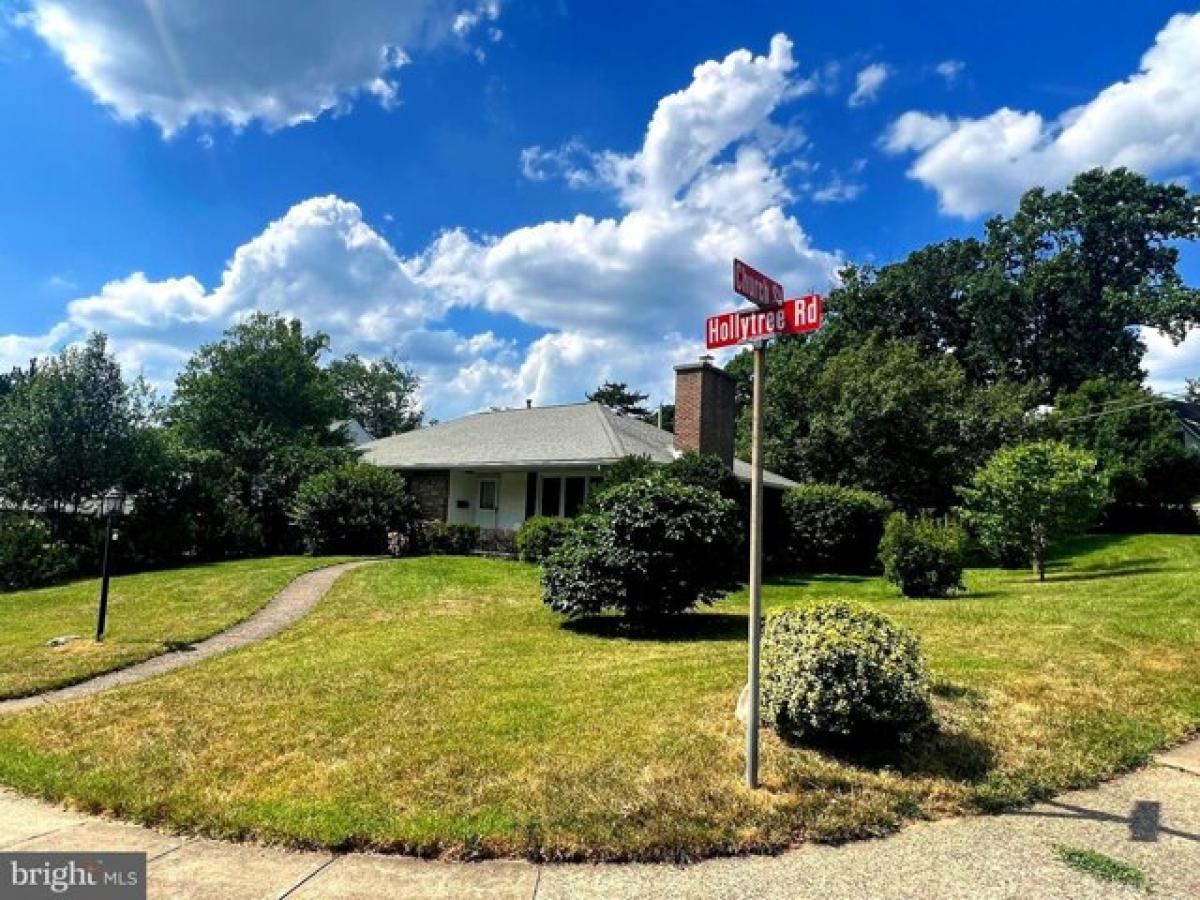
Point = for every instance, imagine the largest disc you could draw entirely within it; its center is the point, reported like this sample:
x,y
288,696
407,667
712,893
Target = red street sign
x,y
800,315
755,286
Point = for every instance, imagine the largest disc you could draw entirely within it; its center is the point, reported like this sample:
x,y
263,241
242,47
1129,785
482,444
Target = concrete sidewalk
x,y
1150,819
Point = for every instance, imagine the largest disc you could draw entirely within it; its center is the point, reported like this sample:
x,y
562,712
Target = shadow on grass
x,y
939,753
1108,572
687,627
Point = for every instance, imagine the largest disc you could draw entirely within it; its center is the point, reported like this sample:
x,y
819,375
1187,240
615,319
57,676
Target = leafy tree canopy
x,y
1047,297
1137,439
253,411
381,394
617,395
1033,495
66,429
882,416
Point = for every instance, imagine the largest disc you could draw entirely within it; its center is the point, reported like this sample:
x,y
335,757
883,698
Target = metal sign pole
x,y
756,528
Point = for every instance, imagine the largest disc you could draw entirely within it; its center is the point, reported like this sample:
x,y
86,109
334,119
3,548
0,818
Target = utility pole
x,y
756,531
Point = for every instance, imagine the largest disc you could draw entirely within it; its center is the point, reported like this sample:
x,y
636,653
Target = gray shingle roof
x,y
545,436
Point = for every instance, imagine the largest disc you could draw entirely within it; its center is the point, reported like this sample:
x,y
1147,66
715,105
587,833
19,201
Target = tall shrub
x,y
922,557
351,509
29,554
653,547
833,528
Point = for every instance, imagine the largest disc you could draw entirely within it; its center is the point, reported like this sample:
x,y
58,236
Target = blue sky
x,y
525,198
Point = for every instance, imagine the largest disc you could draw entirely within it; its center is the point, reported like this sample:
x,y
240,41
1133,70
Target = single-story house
x,y
496,469
1189,422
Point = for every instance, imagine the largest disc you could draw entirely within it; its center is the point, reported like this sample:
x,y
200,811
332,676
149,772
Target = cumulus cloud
x,y
620,297
703,187
279,62
868,83
1149,122
1169,364
16,350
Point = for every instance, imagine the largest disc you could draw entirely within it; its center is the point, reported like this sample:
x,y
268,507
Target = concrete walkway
x,y
1149,819
289,605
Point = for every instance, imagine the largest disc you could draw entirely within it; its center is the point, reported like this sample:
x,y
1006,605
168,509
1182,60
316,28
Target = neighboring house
x,y
496,469
354,431
1189,420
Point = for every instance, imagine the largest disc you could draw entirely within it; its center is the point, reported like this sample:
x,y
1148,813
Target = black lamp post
x,y
110,505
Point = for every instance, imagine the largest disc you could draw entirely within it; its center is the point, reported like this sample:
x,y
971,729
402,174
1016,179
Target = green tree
x,y
66,429
1049,295
380,394
883,417
617,395
253,412
1033,495
1138,441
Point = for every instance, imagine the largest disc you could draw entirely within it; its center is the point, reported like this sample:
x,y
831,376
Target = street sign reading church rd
x,y
755,286
799,315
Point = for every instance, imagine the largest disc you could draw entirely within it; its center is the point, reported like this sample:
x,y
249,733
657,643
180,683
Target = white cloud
x,y
868,83
838,190
137,302
16,350
573,162
703,188
915,131
620,297
1169,365
1149,122
279,62
950,69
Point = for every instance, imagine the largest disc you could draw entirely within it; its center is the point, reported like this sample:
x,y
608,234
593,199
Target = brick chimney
x,y
704,410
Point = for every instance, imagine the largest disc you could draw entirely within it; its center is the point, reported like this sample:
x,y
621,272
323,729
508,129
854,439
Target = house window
x,y
552,496
487,493
573,496
563,495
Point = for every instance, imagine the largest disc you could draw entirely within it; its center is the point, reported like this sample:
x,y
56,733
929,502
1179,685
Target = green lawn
x,y
146,613
434,706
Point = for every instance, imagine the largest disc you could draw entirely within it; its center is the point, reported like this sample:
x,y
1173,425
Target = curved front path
x,y
288,606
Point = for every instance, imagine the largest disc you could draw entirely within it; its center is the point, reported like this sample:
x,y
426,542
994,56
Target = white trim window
x,y
561,496
489,495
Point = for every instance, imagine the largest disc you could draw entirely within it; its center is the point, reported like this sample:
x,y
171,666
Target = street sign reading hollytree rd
x,y
800,315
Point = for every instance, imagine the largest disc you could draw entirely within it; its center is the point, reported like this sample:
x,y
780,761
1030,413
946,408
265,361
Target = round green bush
x,y
835,671
29,555
833,528
653,547
351,508
922,557
539,536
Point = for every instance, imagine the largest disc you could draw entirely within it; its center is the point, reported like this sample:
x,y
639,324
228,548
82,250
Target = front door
x,y
489,503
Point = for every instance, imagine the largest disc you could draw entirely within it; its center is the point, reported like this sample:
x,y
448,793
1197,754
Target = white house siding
x,y
463,500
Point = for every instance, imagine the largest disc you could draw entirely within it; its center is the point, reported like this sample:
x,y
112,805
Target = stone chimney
x,y
704,410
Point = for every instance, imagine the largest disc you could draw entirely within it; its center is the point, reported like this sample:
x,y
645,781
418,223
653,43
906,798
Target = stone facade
x,y
432,493
704,410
